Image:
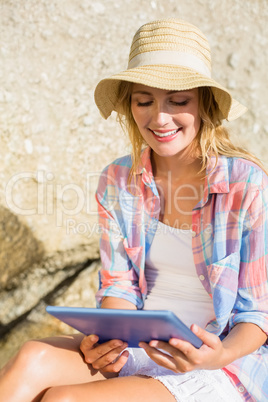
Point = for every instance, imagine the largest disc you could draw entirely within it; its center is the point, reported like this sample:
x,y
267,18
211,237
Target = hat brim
x,y
166,77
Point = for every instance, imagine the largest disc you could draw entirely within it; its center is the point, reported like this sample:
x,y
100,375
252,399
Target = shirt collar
x,y
217,179
145,166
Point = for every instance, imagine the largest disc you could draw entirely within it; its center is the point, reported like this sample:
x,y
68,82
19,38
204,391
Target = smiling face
x,y
167,120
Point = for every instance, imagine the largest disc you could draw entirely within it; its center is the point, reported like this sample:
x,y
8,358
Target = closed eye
x,y
142,104
149,103
184,103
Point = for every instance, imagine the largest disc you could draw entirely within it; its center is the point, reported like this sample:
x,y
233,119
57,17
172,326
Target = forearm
x,y
242,340
117,303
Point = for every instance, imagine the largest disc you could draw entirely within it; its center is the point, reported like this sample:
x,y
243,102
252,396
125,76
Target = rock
x,y
29,288
81,293
39,324
19,248
233,60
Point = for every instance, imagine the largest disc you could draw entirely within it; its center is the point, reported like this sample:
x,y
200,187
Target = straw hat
x,y
169,54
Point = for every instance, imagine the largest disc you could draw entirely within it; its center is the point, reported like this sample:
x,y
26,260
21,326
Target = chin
x,y
168,152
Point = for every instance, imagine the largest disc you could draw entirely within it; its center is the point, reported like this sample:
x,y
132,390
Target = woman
x,y
184,223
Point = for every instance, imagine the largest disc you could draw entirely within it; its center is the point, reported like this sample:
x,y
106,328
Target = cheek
x,y
195,121
190,121
138,116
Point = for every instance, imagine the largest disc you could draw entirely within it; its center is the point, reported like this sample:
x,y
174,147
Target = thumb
x,y
88,342
206,337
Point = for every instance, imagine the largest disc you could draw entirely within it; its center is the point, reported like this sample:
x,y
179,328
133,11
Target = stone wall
x,y
53,142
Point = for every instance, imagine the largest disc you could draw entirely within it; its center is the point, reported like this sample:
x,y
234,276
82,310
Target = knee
x,y
59,394
32,351
33,354
24,376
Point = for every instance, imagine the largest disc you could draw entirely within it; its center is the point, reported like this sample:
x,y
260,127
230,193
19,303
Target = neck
x,y
180,166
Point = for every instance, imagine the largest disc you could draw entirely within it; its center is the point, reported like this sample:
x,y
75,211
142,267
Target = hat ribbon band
x,y
170,57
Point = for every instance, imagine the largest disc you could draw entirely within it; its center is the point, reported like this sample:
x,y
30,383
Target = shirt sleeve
x,y
251,304
117,276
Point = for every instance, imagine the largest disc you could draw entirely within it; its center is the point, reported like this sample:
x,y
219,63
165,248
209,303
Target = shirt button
x,y
241,389
193,233
201,277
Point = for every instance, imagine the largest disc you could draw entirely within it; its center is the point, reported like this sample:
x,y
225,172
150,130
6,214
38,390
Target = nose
x,y
161,117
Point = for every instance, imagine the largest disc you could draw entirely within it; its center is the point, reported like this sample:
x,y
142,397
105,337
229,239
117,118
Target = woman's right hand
x,y
108,357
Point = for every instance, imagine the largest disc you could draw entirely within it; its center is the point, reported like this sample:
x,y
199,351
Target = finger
x,y
208,339
175,347
180,350
88,342
93,354
177,362
108,358
118,364
186,348
162,359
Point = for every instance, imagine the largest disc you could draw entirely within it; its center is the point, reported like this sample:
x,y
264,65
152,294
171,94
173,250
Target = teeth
x,y
165,134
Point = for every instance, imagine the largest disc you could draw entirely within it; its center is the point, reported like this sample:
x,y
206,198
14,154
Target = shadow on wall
x,y
19,249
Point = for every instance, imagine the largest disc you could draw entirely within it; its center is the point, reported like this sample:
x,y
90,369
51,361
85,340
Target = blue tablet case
x,y
131,326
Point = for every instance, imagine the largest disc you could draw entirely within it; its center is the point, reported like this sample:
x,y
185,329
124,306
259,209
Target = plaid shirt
x,y
230,248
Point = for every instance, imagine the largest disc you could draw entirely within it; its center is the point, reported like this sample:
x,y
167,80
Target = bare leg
x,y
43,364
131,389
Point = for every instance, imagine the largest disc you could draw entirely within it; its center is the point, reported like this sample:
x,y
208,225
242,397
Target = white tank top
x,y
172,280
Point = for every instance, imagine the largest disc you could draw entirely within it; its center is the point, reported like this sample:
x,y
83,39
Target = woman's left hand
x,y
183,356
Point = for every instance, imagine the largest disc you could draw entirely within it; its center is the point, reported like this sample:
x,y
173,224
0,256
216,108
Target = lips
x,y
165,135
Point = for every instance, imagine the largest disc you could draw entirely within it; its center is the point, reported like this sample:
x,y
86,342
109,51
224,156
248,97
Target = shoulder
x,y
242,182
114,176
120,167
239,171
245,171
237,174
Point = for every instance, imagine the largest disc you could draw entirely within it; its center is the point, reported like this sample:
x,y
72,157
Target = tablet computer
x,y
131,326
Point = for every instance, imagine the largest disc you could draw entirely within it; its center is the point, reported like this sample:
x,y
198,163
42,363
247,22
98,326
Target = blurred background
x,y
54,143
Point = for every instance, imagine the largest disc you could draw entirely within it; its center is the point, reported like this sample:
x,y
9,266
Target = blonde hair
x,y
212,139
